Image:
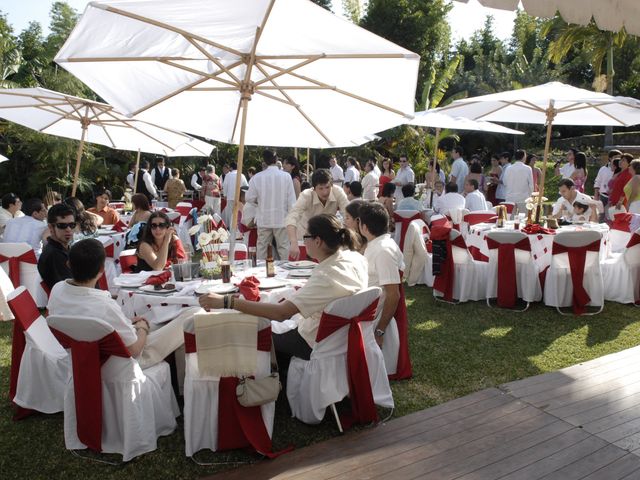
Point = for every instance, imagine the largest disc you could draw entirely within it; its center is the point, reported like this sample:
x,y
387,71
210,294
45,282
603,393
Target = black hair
x,y
459,150
86,221
86,258
32,205
353,207
329,229
520,155
580,161
375,217
60,210
408,190
140,202
305,186
291,160
530,157
506,155
616,166
356,189
473,182
433,161
475,167
233,166
175,172
321,176
104,191
567,182
580,205
147,237
9,199
451,187
614,153
144,164
388,189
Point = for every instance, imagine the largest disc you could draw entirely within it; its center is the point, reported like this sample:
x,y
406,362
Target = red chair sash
x,y
362,405
404,225
120,226
622,222
87,359
634,240
176,220
14,265
577,257
507,278
403,368
475,218
103,283
444,281
183,210
109,250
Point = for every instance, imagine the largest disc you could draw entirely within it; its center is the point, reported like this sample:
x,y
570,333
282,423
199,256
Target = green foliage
x,y
353,10
323,3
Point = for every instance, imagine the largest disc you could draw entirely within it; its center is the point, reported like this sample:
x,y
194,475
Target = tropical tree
x,y
353,10
10,58
323,3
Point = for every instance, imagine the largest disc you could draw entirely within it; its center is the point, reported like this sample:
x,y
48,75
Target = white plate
x,y
152,289
269,283
300,273
306,264
220,288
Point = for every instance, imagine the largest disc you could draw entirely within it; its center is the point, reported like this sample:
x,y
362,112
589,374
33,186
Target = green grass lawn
x,y
456,350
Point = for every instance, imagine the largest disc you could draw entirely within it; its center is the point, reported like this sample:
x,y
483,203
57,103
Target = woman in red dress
x,y
386,175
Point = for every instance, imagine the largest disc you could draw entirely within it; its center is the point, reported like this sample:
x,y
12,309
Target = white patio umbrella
x,y
80,119
609,15
3,158
548,104
264,72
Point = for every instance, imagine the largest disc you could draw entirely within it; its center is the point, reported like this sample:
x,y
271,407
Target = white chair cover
x,y
6,287
201,400
110,269
29,276
618,240
403,214
621,273
415,253
315,384
44,366
527,274
558,287
137,406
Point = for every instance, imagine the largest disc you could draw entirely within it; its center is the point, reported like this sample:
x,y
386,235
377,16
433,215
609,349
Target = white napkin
x,y
133,279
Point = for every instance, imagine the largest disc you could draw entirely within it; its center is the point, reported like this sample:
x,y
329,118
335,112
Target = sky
x,y
464,18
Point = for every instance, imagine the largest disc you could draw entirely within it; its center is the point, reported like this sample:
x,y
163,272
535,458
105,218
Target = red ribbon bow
x,y
87,359
249,288
403,368
362,405
14,265
159,279
443,282
577,257
507,279
404,225
475,218
534,229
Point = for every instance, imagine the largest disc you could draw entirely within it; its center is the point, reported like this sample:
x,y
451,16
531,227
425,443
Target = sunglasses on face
x,y
305,237
159,225
64,226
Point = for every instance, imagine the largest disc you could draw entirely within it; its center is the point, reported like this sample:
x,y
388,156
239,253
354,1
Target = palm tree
x,y
597,44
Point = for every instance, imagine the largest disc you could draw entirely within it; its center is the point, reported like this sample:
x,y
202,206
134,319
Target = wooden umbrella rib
x,y
125,59
235,121
104,129
208,76
219,64
273,97
268,77
214,89
338,56
32,105
294,87
597,107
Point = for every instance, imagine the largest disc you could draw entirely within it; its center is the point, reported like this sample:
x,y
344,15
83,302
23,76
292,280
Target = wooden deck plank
x,y
587,465
621,431
589,412
605,423
629,443
617,470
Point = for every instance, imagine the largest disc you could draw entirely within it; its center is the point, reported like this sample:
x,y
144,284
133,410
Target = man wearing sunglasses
x,y
53,263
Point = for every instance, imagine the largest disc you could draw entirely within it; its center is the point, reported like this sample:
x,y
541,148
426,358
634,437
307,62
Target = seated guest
x,y
385,262
408,202
474,201
175,188
29,228
53,264
340,272
563,208
141,209
102,209
579,212
88,222
451,200
77,296
159,245
10,209
351,219
386,199
353,191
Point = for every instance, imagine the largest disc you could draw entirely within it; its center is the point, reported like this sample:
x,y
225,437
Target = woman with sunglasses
x,y
159,244
340,272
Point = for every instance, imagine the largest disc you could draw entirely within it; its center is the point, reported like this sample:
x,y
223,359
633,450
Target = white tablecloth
x,y
541,244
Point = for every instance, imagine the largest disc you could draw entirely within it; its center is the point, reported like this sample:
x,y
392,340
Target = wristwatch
x,y
379,332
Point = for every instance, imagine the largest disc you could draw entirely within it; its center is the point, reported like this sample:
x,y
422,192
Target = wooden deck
x,y
582,422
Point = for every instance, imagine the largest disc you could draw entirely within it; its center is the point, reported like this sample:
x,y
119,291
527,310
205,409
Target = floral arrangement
x,y
209,236
534,212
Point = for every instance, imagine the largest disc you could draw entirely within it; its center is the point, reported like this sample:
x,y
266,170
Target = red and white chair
x,y
174,217
345,361
213,418
438,220
128,259
511,271
574,277
621,273
40,367
461,278
510,206
6,287
184,208
620,232
110,269
480,216
111,405
303,252
21,265
403,218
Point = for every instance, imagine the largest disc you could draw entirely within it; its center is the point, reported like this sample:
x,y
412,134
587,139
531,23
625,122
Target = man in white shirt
x,y
605,174
370,182
451,200
196,179
323,197
145,184
518,181
10,209
568,196
131,176
405,175
229,190
271,191
567,169
337,174
505,163
459,168
474,200
352,174
30,228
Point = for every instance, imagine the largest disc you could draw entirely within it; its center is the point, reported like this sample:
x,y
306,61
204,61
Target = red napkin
x,y
120,226
534,228
249,288
159,279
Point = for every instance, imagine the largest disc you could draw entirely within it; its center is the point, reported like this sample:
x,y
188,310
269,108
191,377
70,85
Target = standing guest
x,y
211,189
385,262
324,197
340,272
632,188
474,200
601,183
370,182
272,195
353,190
141,209
131,176
475,173
159,245
229,190
53,264
160,174
351,219
88,222
376,169
145,183
459,168
451,200
537,173
408,201
251,171
439,174
617,197
563,208
567,169
175,188
10,209
505,163
29,228
337,174
518,181
352,174
292,167
102,209
494,179
225,169
580,174
52,198
405,175
196,180
387,174
386,199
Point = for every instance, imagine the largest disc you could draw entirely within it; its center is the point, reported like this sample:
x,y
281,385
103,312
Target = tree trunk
x,y
608,131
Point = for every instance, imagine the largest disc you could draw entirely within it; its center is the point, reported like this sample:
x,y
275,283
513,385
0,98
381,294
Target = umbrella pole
x,y
551,113
433,169
85,125
308,160
135,177
236,197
